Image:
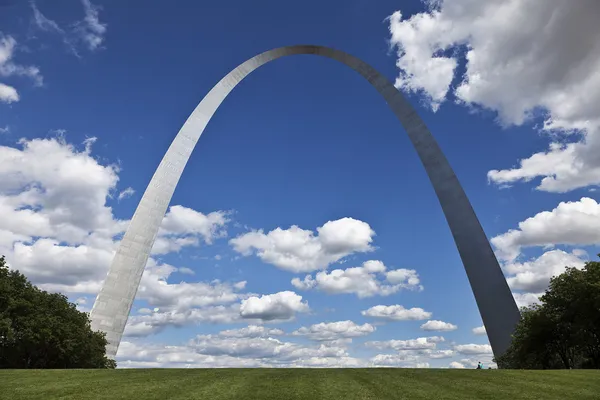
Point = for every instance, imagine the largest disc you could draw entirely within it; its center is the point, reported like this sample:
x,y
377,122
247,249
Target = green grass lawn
x,y
313,384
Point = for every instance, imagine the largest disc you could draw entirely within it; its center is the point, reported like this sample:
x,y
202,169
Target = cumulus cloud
x,y
371,279
281,306
55,226
397,360
155,322
266,349
328,331
184,226
422,343
155,289
252,331
456,365
514,70
534,276
8,68
396,313
526,299
473,348
298,250
144,355
232,350
570,223
59,230
437,354
8,94
181,220
480,330
435,325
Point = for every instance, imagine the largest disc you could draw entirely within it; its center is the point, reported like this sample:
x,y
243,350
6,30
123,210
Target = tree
x,y
564,330
44,330
574,298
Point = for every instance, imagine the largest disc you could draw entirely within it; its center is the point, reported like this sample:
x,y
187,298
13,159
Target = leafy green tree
x,y
564,330
44,330
574,298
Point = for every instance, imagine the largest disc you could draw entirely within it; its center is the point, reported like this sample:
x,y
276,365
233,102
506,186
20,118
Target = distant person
x,y
479,365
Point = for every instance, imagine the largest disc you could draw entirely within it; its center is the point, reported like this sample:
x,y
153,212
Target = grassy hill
x,y
313,384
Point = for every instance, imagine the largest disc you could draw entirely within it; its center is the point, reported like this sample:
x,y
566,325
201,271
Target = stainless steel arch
x,y
492,294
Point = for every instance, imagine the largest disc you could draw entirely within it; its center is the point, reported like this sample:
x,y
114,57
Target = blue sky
x,y
91,94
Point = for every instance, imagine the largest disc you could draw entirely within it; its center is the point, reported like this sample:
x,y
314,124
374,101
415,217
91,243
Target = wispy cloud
x,y
9,94
91,30
126,193
44,23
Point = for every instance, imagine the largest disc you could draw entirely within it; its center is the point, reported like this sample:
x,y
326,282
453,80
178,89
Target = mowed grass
x,y
313,384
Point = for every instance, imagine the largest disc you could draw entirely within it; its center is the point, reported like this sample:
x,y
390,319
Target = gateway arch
x,y
492,294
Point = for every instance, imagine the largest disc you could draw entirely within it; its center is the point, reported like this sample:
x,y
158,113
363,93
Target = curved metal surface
x,y
492,294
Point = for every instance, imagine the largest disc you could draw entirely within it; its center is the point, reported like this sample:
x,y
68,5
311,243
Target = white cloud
x,y
184,226
144,355
368,280
273,307
181,220
61,191
8,94
435,325
456,365
397,360
252,331
55,226
233,348
270,350
526,299
534,276
437,354
300,250
480,330
514,70
571,223
55,267
58,229
329,362
184,295
128,192
6,129
326,331
187,271
149,324
422,343
396,313
473,348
